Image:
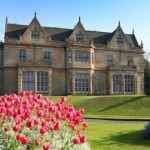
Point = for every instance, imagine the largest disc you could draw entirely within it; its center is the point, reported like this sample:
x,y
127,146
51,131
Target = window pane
x,y
42,82
28,81
109,59
82,83
79,37
129,84
35,34
22,55
119,41
117,83
47,56
81,57
70,57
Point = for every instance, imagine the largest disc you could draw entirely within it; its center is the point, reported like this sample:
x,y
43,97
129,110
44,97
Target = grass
x,y
121,107
116,137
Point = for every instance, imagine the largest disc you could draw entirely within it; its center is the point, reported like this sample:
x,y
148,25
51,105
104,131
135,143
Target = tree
x,y
147,76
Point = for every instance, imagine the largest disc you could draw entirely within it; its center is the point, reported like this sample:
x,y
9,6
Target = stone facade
x,y
58,61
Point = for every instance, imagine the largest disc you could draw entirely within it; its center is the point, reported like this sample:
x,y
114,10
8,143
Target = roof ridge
x,y
97,31
17,24
57,28
61,28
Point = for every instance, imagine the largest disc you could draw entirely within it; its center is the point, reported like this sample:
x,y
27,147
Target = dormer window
x,y
79,38
35,34
119,41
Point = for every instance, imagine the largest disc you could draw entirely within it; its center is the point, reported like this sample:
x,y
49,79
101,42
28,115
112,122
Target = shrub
x,y
146,131
31,121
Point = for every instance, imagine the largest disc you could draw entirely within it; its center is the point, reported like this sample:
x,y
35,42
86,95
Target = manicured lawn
x,y
116,137
111,106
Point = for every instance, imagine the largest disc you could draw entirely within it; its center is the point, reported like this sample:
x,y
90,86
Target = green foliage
x,y
146,131
147,77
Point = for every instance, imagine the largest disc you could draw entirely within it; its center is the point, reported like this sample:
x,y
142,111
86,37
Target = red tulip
x,y
82,139
24,140
43,123
36,122
42,130
30,123
63,99
16,128
17,120
46,147
19,136
40,113
6,129
57,126
22,93
37,142
75,141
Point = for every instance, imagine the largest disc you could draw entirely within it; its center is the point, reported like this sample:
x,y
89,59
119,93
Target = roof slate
x,y
61,34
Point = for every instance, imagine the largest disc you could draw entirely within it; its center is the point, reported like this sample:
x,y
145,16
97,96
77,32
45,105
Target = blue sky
x,y
98,15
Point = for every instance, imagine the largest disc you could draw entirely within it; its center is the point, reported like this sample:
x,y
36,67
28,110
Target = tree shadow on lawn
x,y
123,138
122,103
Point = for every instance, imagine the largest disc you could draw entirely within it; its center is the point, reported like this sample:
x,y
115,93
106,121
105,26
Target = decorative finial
x,y
35,14
79,18
133,31
119,23
6,25
6,20
142,44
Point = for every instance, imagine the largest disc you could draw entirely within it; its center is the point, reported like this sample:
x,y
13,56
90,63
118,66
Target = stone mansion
x,y
61,61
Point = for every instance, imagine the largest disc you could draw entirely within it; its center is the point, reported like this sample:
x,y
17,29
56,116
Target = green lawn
x,y
111,106
116,137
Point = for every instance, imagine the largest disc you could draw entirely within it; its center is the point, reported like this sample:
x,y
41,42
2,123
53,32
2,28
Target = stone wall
x,y
10,80
58,82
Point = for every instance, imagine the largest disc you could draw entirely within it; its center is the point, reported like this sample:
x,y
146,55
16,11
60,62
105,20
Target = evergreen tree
x,y
147,76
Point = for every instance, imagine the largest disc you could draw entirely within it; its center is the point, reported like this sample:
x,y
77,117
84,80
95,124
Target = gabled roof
x,y
61,34
79,28
35,20
132,39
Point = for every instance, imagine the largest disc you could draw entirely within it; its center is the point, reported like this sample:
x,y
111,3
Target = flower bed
x,y
30,121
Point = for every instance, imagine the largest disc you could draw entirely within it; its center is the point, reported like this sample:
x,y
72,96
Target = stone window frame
x,y
119,41
47,57
42,81
70,88
129,83
69,57
123,83
109,59
79,37
28,80
117,83
35,34
81,57
82,83
35,80
22,55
